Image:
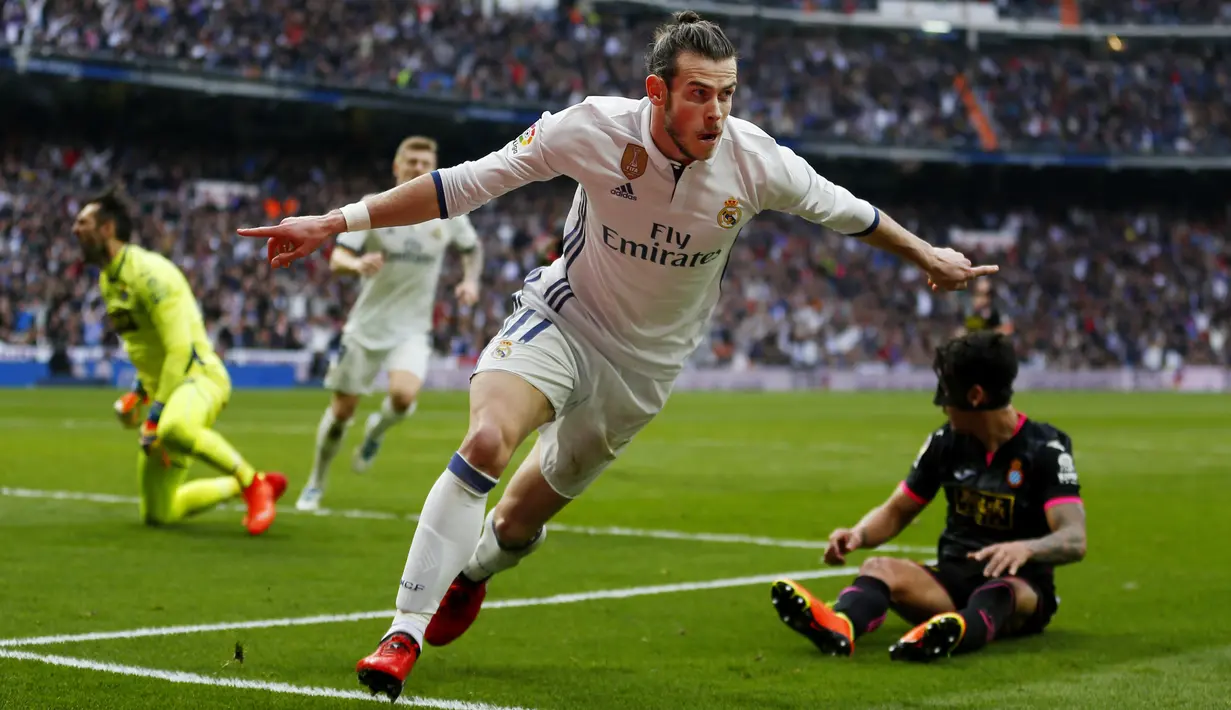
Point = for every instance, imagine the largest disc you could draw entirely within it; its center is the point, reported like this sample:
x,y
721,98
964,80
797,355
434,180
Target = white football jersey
x,y
647,241
396,302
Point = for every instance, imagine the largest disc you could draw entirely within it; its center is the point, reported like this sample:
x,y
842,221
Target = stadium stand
x,y
1090,281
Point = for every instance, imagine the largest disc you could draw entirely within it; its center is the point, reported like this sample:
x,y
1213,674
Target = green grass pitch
x,y
1143,622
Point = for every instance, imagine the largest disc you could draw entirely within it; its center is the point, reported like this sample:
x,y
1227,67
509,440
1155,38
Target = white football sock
x,y
490,557
388,417
329,435
445,537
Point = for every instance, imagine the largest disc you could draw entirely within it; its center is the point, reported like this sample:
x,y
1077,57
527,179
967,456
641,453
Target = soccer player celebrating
x,y
390,324
151,307
665,184
1013,514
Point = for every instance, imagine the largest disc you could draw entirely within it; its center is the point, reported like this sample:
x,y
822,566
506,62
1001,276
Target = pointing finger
x,y
260,232
984,270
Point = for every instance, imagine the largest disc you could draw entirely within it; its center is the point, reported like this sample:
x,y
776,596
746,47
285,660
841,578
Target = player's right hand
x,y
370,263
950,270
129,409
842,542
296,237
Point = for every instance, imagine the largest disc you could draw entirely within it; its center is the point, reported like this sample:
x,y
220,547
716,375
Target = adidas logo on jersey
x,y
625,191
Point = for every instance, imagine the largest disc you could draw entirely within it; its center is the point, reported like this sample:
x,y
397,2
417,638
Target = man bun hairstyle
x,y
686,32
113,208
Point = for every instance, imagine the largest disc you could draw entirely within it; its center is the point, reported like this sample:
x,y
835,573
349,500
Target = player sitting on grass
x,y
151,307
1013,514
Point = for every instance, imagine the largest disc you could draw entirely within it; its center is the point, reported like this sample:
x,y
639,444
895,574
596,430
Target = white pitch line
x,y
623,593
241,684
726,538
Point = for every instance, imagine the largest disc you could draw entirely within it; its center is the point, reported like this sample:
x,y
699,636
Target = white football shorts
x,y
356,367
599,409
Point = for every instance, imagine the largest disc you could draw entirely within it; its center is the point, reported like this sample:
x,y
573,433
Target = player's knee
x,y
154,518
175,433
344,406
402,400
883,568
487,448
513,533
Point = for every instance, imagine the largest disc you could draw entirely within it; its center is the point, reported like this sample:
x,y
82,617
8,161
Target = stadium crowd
x,y
863,87
1080,288
1128,12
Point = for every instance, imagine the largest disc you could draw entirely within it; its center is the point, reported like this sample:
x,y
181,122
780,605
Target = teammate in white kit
x,y
390,324
664,186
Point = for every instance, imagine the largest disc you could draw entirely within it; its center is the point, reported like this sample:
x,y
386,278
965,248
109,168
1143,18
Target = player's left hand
x,y
1003,558
950,270
130,408
295,237
467,293
149,428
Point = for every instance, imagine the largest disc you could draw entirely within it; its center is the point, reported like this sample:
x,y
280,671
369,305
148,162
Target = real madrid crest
x,y
730,214
502,349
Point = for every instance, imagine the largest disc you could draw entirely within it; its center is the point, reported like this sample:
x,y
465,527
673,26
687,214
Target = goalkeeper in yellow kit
x,y
152,308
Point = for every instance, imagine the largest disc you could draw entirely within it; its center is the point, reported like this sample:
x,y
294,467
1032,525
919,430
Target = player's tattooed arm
x,y
1067,542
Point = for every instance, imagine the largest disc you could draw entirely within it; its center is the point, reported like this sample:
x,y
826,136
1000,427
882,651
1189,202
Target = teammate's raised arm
x,y
466,240
351,257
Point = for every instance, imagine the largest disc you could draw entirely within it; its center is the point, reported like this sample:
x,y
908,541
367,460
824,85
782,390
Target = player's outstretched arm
x,y
442,194
797,189
947,269
880,525
296,237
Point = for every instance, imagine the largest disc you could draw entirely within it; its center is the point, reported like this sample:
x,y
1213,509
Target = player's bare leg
x,y
516,527
504,409
329,433
401,403
883,582
998,606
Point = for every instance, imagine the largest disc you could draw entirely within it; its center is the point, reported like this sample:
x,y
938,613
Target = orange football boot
x,y
935,638
813,618
261,496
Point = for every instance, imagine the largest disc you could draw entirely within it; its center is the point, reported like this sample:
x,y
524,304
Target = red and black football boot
x,y
457,611
386,668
